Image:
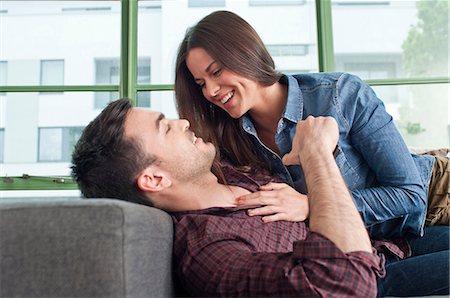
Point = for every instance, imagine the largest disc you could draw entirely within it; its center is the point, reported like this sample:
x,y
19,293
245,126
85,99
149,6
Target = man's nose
x,y
183,124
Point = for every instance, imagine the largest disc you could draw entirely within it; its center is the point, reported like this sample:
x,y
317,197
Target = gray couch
x,y
84,248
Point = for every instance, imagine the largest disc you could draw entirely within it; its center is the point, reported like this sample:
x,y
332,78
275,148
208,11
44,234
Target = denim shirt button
x,y
274,156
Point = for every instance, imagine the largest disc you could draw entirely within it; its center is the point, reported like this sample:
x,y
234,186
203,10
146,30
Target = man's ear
x,y
153,179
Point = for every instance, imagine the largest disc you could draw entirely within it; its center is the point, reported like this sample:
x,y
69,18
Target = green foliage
x,y
414,128
425,50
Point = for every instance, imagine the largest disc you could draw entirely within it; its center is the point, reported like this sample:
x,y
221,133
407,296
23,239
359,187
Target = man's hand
x,y
278,201
333,213
312,134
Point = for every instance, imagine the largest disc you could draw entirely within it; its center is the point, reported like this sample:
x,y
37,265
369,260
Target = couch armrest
x,y
84,248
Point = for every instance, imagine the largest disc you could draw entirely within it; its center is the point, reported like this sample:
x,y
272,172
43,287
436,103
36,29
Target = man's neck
x,y
203,193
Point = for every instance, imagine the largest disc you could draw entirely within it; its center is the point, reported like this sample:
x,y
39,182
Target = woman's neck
x,y
268,111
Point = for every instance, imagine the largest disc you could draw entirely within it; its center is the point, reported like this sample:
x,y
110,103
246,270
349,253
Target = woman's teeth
x,y
227,97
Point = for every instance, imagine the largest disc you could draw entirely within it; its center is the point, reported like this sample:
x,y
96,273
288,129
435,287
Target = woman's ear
x,y
152,179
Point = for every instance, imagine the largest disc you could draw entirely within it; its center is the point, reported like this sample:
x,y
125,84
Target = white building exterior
x,y
78,43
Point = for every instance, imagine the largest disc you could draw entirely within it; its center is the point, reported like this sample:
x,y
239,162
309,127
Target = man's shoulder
x,y
205,221
200,228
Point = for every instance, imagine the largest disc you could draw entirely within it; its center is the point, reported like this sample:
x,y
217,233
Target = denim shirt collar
x,y
293,110
294,105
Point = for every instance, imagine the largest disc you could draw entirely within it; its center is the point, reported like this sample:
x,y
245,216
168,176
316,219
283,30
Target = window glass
x,y
50,143
107,73
162,101
76,32
3,73
41,129
275,2
206,3
2,143
290,33
288,49
56,144
144,71
52,72
421,112
412,43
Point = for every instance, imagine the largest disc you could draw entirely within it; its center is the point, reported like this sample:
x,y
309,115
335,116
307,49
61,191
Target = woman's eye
x,y
217,72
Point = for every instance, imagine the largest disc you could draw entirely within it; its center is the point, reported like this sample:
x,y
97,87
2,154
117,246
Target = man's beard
x,y
192,169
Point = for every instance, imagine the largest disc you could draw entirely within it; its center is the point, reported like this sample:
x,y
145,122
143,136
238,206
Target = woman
x,y
226,85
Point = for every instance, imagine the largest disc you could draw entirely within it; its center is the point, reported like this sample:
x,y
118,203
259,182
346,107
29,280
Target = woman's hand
x,y
278,201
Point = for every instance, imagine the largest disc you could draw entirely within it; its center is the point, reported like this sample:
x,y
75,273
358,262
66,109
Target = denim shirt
x,y
389,185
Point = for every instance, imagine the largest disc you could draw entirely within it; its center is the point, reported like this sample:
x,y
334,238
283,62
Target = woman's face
x,y
231,92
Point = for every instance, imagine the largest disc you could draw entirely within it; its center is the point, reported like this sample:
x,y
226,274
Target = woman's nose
x,y
212,89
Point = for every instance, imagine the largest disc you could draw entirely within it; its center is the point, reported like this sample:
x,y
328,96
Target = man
x,y
139,156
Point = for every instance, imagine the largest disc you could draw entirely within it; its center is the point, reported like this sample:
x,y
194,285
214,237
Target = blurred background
x,y
61,62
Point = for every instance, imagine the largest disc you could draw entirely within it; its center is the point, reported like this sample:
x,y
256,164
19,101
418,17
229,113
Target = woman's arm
x,y
397,204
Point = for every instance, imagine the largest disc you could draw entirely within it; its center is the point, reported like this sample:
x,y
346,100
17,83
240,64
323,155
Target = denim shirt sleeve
x,y
397,204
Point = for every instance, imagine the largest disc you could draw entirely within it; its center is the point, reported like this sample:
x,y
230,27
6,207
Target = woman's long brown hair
x,y
236,46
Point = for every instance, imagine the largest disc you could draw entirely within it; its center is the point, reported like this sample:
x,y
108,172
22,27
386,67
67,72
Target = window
x,y
52,72
359,3
275,2
416,37
56,143
2,144
107,72
294,71
77,9
3,74
412,109
287,49
75,47
371,70
206,3
370,66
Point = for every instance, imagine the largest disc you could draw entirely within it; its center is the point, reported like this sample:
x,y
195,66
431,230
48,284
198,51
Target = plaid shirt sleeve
x,y
316,267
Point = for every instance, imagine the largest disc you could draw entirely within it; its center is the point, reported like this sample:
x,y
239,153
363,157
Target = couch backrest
x,y
84,248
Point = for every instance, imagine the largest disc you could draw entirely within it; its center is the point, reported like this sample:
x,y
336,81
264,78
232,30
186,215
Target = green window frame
x,y
130,87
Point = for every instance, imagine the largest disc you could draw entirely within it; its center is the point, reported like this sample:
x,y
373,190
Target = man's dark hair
x,y
105,164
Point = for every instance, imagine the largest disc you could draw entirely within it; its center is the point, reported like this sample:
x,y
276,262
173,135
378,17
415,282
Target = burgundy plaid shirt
x,y
224,252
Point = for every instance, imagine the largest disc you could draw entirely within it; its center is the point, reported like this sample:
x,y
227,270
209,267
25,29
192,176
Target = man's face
x,y
178,151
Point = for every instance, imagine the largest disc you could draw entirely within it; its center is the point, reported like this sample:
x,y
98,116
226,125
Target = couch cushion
x,y
84,248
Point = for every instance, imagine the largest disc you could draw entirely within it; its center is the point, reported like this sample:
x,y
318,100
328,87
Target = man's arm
x,y
221,266
332,211
335,259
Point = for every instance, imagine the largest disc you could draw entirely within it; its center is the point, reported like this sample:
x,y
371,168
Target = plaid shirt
x,y
224,252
